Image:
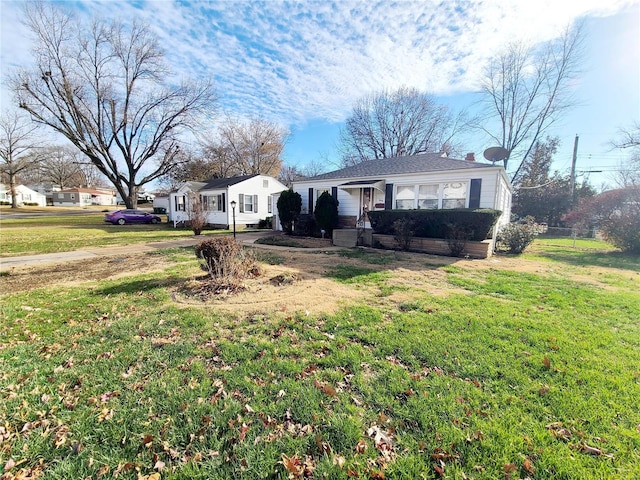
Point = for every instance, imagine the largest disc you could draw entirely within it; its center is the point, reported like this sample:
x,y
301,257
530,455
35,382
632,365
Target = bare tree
x,y
252,147
396,123
60,166
527,90
101,86
628,175
18,149
289,174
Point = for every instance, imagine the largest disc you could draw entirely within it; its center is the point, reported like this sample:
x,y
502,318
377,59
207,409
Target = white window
x,y
61,196
179,202
265,183
209,202
248,203
405,197
428,196
454,195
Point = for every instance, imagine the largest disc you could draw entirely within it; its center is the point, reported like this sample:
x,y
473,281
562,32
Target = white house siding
x,y
251,186
493,182
23,195
255,186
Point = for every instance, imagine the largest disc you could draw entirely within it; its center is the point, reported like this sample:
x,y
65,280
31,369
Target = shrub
x,y
266,223
516,237
226,262
403,228
289,207
306,226
478,223
196,213
326,212
616,213
457,240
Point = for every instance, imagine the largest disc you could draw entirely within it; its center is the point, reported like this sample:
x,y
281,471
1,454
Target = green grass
x,y
516,374
59,233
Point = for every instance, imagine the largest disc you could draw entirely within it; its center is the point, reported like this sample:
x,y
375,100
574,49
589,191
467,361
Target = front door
x,y
366,197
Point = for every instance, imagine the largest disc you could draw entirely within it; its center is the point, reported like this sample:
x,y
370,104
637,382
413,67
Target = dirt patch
x,y
299,281
24,279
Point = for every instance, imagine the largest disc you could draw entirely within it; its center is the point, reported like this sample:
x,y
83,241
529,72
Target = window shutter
x,y
269,203
310,200
224,202
255,204
388,196
474,193
334,193
241,201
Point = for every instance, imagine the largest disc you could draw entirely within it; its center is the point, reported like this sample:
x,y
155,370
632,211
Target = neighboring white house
x,y
253,196
161,203
82,197
24,196
413,182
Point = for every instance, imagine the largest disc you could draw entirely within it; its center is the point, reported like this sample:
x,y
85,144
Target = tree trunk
x,y
12,187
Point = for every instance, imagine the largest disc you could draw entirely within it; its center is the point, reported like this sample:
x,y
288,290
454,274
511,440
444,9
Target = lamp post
x,y
233,209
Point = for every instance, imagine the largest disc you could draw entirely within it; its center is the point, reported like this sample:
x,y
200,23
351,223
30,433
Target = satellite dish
x,y
495,154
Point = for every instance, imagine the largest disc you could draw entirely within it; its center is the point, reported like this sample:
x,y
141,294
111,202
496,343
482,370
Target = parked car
x,y
131,216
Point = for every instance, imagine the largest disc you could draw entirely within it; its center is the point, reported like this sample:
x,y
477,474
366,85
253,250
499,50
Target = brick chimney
x,y
470,157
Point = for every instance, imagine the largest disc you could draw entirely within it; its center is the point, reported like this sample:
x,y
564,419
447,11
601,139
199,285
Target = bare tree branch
x,y
527,90
102,88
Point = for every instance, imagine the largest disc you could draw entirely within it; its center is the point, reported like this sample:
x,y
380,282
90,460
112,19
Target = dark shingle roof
x,y
426,162
216,183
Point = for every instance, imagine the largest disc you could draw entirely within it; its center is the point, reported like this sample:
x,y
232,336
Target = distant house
x,y
251,195
82,197
25,196
160,203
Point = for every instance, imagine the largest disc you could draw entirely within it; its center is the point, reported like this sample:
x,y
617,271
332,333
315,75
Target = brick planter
x,y
436,246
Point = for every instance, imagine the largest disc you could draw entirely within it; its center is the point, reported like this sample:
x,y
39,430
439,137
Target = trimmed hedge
x,y
478,223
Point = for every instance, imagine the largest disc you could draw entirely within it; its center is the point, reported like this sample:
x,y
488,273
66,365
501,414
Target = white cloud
x,y
295,62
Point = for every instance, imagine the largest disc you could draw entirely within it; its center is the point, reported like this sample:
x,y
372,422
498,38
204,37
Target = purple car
x,y
131,216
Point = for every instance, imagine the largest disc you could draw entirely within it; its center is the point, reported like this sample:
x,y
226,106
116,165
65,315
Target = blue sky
x,y
303,64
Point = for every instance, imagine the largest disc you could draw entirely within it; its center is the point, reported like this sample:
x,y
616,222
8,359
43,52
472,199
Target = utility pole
x,y
573,169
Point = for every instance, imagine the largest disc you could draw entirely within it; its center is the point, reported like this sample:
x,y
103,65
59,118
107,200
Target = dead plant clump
x,y
227,265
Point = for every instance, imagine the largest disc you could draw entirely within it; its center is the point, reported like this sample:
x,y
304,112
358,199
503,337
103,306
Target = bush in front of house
x,y
404,233
326,212
516,237
289,207
476,223
306,226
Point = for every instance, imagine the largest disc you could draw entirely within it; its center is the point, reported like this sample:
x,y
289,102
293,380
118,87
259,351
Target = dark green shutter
x,y
388,196
334,193
474,193
310,200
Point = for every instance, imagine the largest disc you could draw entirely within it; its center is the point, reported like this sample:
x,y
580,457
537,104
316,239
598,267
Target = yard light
x,y
233,209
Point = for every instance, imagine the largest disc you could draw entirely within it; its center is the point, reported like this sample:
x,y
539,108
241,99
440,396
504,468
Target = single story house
x,y
160,203
82,197
24,195
424,181
242,200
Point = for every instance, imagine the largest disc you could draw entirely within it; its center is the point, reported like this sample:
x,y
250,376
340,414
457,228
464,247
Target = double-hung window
x,y
405,197
454,195
428,196
248,203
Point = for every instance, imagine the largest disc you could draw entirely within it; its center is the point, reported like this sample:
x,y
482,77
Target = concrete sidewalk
x,y
7,263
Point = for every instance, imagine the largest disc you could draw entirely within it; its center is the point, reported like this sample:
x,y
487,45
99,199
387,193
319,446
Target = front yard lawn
x,y
436,368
